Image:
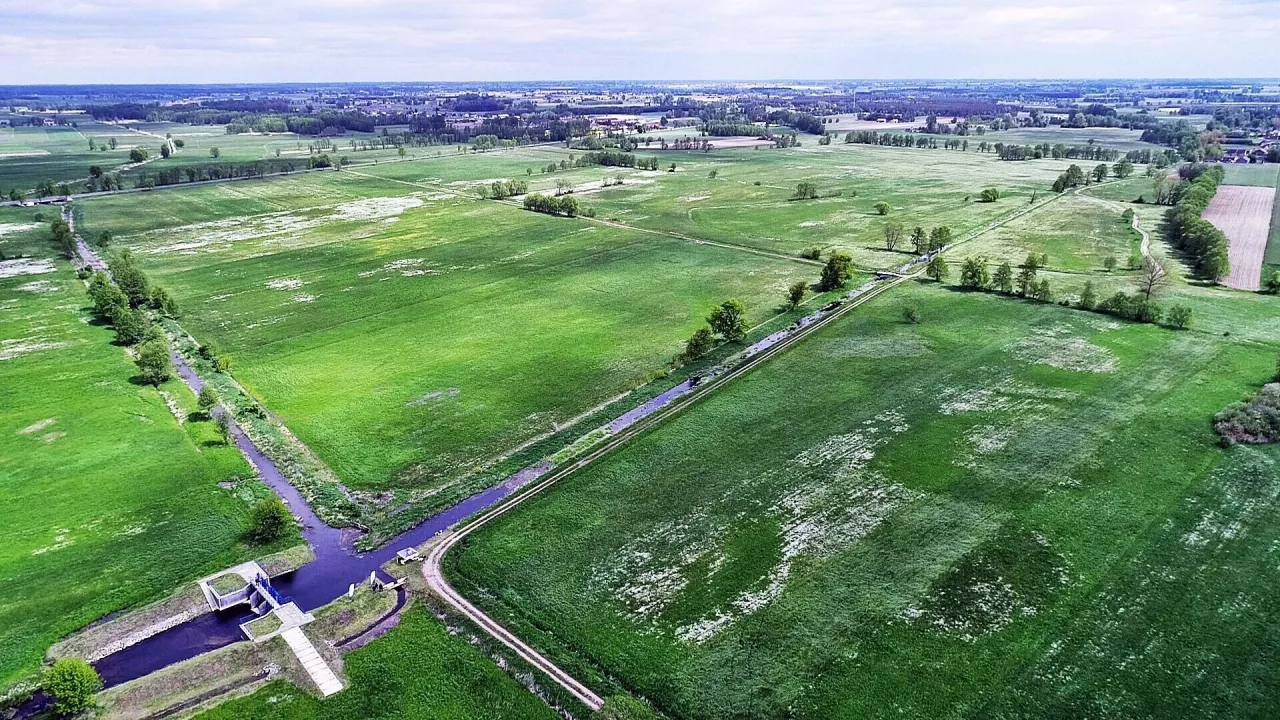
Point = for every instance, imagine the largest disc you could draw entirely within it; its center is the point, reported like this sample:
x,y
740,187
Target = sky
x,y
202,41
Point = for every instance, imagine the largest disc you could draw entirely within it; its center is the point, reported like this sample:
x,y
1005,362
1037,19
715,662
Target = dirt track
x,y
1243,214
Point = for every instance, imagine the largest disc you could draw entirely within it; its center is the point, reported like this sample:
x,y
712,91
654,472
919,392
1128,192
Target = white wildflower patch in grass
x,y
1237,508
17,347
1007,578
1058,347
11,228
304,298
407,267
285,283
811,223
219,235
25,266
61,539
37,426
986,439
823,501
693,198
375,208
1002,394
41,286
647,573
434,396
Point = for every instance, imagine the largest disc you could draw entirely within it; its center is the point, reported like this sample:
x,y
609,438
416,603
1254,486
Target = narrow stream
x,y
337,565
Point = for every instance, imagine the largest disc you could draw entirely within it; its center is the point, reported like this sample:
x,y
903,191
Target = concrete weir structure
x,y
249,584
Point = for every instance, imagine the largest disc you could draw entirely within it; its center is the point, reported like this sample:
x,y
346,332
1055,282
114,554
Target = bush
x,y
699,344
268,521
1178,317
882,207
624,707
911,314
989,195
153,361
71,682
1254,421
811,254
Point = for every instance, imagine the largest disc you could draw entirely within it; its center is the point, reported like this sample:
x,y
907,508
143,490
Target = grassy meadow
x,y
1008,510
408,335
109,502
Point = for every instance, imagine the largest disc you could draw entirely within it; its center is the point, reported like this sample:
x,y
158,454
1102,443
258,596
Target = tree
x,y
973,273
882,208
1109,263
806,190
1026,281
164,151
269,519
1041,291
62,236
939,238
1003,278
137,155
699,344
937,268
215,153
1272,285
990,195
1179,316
729,320
130,325
893,235
162,301
108,300
207,400
1122,169
153,361
1152,280
835,273
1088,298
796,293
223,422
1100,172
130,279
920,240
71,682
104,238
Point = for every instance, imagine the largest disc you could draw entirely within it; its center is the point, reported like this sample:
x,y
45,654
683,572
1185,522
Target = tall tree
x,y
729,320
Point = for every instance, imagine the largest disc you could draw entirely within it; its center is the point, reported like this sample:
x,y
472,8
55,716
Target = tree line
x,y
1205,244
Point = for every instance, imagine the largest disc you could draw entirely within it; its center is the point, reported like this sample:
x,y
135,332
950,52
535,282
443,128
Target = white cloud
x,y
266,40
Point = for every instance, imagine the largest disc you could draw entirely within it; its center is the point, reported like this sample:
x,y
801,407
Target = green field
x,y
408,336
1009,510
1259,175
109,502
417,671
1114,138
29,155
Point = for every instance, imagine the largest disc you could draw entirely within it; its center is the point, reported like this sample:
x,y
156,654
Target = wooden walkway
x,y
311,660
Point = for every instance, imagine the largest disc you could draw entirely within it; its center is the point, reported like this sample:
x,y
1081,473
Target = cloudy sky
x,y
127,41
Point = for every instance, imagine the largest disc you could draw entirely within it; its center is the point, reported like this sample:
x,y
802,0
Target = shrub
x,y
989,195
699,344
153,361
1178,317
835,273
911,314
811,254
268,521
71,682
882,208
1254,421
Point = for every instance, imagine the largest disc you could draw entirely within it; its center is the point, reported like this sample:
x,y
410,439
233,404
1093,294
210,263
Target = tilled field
x,y
1244,214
